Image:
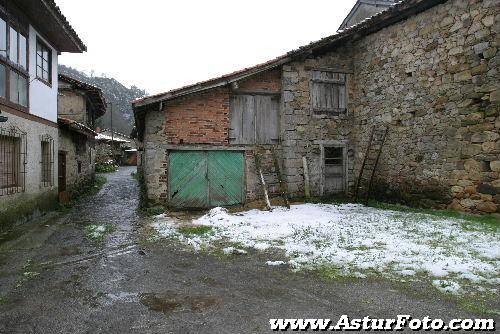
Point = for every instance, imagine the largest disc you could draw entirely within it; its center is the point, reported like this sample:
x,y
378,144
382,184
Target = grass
x,y
3,300
153,211
82,191
105,168
195,230
490,220
97,233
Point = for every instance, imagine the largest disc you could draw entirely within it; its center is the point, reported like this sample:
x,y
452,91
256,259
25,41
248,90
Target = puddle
x,y
168,303
156,303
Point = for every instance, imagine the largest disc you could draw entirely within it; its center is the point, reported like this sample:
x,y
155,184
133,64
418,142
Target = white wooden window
x,y
254,119
328,93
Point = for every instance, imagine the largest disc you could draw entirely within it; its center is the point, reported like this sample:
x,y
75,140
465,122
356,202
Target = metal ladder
x,y
371,160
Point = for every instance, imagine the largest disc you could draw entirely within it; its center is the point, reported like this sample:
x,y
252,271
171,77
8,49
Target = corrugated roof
x,y
389,16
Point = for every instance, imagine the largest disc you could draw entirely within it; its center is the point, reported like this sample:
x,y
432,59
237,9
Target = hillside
x,y
115,93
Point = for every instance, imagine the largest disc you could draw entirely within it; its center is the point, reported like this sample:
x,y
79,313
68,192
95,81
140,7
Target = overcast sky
x,y
158,45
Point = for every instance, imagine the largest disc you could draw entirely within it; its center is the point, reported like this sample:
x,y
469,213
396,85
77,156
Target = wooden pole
x,y
262,181
307,185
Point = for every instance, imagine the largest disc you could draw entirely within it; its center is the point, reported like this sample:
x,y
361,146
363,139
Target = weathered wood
x,y
258,166
382,141
368,147
254,119
328,91
307,186
282,184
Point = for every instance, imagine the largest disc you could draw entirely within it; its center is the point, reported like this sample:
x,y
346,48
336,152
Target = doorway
x,y
334,169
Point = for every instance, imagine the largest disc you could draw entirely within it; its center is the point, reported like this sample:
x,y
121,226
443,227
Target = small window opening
x,y
334,156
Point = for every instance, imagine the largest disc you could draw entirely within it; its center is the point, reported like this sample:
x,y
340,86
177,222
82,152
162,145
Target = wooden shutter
x,y
242,115
267,119
328,92
254,119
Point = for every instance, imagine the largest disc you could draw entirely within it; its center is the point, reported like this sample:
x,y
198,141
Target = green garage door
x,y
201,179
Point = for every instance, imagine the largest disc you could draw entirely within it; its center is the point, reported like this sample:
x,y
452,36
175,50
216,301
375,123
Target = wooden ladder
x,y
370,160
279,174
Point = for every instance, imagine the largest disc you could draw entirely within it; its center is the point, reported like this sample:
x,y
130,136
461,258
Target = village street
x,y
55,279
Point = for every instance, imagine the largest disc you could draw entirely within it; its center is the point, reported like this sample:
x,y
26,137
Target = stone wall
x,y
78,151
434,79
36,196
305,134
72,105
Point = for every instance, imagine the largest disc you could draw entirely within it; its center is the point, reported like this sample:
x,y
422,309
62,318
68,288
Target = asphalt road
x,y
53,279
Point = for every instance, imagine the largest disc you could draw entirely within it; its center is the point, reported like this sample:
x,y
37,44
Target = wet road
x,y
54,279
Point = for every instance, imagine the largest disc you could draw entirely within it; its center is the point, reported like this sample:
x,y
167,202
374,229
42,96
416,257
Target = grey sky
x,y
160,45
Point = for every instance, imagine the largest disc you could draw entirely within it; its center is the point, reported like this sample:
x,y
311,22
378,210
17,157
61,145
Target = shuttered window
x,y
328,93
47,161
254,119
12,161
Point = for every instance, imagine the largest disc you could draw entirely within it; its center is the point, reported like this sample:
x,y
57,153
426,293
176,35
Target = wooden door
x,y
202,179
334,170
62,171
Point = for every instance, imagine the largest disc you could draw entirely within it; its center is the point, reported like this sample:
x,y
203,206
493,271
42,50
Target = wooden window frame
x,y
329,112
48,82
11,67
19,173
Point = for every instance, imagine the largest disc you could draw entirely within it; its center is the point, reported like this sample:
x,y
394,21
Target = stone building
x,y
113,146
79,105
32,35
427,70
363,9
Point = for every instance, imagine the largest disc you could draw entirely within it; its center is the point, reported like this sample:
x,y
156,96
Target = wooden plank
x,y
307,185
267,119
248,119
236,120
258,166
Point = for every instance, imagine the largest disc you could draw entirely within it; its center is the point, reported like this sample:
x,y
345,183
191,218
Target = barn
x,y
402,106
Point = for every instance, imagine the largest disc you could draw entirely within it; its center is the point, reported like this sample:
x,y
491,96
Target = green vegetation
x,y
106,168
490,220
146,207
3,300
195,230
83,190
97,233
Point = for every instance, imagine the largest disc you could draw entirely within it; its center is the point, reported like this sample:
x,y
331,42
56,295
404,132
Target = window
x,y
12,167
254,119
334,156
47,162
328,93
18,89
13,65
79,165
43,62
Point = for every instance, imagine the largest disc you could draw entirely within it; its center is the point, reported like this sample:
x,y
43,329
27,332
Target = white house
x,y
32,35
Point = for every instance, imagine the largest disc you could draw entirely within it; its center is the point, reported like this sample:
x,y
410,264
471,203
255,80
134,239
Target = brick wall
x,y
199,119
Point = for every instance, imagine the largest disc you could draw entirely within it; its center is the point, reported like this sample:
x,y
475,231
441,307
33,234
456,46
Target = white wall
x,y
43,98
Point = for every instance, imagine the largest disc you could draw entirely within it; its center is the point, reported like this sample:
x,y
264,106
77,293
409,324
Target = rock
x,y
463,76
472,165
488,189
495,166
456,189
489,53
470,190
479,48
495,96
488,20
486,198
455,205
488,207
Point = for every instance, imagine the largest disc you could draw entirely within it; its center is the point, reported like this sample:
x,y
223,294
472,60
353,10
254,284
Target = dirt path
x,y
53,279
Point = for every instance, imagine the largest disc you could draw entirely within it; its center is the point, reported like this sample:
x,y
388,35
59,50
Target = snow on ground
x,y
360,241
